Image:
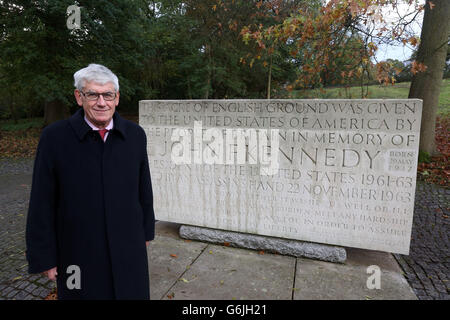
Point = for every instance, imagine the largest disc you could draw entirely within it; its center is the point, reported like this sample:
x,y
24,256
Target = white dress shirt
x,y
108,127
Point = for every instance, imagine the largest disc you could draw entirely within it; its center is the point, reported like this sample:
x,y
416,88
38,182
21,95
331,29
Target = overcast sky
x,y
400,52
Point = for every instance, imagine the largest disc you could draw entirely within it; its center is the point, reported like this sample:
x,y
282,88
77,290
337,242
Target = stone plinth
x,y
277,245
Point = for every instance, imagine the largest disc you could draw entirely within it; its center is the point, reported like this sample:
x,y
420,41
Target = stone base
x,y
270,244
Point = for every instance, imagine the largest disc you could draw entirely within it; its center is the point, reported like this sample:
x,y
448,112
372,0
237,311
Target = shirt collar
x,y
81,127
108,127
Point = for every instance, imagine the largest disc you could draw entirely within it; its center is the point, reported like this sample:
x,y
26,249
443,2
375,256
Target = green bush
x,y
22,124
424,157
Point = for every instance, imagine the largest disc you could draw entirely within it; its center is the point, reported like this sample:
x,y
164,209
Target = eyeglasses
x,y
93,96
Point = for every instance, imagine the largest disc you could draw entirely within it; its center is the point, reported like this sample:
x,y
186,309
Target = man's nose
x,y
101,101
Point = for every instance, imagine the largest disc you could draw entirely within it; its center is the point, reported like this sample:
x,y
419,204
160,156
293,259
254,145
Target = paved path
x,y
15,282
426,268
190,270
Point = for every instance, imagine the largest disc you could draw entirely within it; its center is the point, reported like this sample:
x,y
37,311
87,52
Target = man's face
x,y
99,111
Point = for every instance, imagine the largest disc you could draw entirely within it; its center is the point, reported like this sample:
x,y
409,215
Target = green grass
x,y
22,124
444,99
396,91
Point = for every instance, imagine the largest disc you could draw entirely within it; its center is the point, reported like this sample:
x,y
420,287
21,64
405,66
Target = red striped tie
x,y
102,133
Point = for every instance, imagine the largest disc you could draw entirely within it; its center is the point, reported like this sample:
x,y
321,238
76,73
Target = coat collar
x,y
81,128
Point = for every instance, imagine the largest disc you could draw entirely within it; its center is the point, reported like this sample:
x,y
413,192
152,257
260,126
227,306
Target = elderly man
x,y
91,207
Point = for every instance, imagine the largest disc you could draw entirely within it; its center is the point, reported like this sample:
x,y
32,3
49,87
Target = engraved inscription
x,y
342,171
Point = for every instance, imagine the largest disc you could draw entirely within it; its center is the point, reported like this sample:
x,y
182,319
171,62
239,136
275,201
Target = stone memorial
x,y
336,172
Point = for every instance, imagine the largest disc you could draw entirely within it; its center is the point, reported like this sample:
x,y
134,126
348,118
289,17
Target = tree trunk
x,y
269,81
208,80
13,110
189,89
432,53
53,111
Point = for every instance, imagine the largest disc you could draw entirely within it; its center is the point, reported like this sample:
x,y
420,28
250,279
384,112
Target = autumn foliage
x,y
336,43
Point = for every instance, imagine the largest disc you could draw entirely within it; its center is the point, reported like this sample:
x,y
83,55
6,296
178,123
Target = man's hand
x,y
147,243
51,274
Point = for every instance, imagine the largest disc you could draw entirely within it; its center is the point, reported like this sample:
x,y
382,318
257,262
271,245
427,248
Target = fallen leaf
x,y
53,295
173,255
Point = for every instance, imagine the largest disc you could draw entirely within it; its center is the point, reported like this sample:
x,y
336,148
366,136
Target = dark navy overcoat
x,y
91,206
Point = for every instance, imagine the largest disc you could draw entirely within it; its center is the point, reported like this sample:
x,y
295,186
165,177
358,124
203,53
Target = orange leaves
x,y
53,295
414,41
171,295
372,48
372,45
382,74
321,43
233,25
354,8
417,67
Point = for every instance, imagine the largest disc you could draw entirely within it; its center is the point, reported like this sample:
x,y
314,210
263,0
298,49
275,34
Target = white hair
x,y
96,73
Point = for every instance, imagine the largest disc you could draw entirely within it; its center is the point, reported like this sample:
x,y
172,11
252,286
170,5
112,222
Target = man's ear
x,y
77,94
117,98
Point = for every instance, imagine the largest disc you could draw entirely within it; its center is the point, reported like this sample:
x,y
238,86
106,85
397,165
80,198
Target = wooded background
x,y
217,49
